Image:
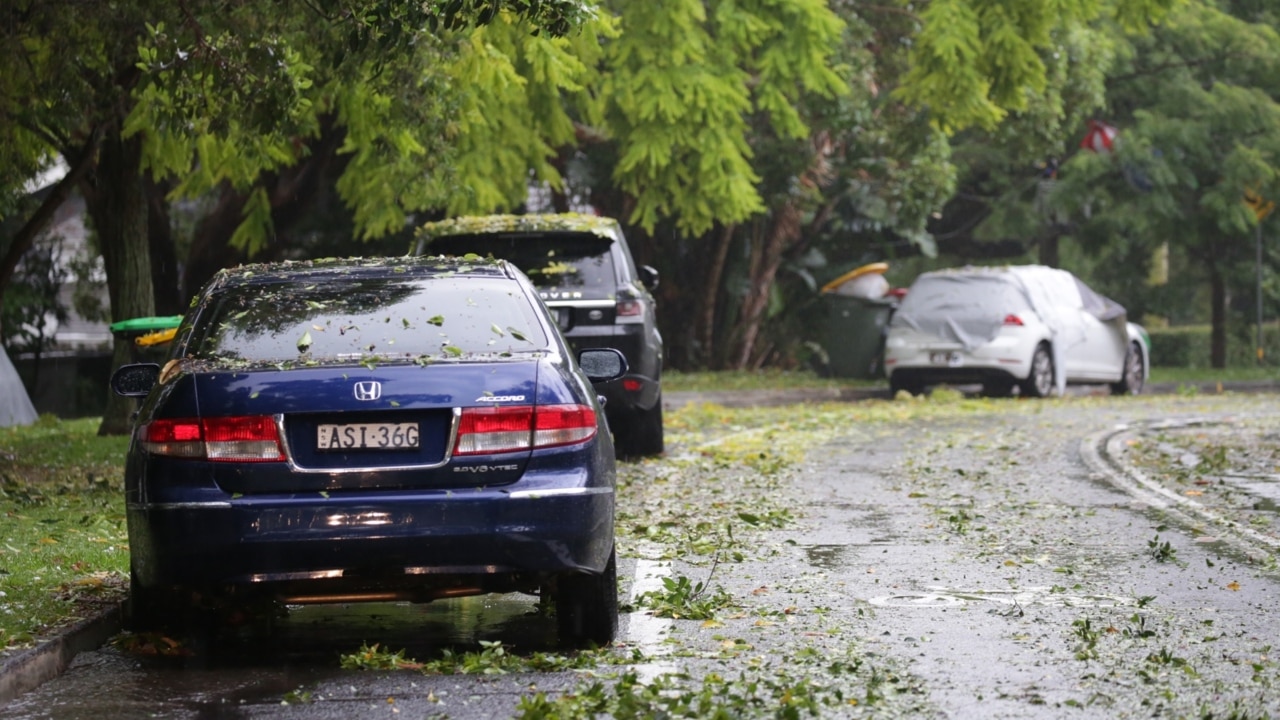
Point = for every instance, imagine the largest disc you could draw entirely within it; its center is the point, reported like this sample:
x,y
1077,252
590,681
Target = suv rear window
x,y
559,260
355,318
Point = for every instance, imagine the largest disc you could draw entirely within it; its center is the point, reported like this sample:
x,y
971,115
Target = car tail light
x,y
630,311
225,439
1012,319
521,427
563,425
632,385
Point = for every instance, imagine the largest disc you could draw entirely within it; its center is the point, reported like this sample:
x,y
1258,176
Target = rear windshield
x,y
962,297
361,319
578,261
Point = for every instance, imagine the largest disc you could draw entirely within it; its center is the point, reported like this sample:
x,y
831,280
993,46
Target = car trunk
x,y
389,426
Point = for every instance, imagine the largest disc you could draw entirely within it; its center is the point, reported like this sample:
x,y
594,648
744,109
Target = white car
x,y
1031,327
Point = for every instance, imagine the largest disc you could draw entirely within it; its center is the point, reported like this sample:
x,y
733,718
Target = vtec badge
x,y
501,398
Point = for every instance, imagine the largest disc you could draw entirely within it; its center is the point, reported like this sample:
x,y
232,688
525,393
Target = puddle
x,y
235,672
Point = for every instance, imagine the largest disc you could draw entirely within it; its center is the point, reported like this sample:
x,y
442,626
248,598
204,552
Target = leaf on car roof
x,y
453,350
436,320
497,330
304,342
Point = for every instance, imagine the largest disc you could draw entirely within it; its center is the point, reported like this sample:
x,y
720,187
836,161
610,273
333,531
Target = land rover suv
x,y
585,274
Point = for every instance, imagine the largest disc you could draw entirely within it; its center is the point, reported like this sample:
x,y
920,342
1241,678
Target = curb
x,y
31,668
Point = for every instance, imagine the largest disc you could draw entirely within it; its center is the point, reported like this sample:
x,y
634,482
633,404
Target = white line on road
x,y
646,632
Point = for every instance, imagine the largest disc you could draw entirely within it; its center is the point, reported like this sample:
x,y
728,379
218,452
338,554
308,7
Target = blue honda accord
x,y
393,429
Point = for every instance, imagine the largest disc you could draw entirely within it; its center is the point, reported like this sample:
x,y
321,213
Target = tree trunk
x,y
783,232
1049,256
711,291
164,257
116,199
1218,335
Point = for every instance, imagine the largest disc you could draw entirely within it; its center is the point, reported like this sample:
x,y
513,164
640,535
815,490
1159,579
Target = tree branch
x,y
26,235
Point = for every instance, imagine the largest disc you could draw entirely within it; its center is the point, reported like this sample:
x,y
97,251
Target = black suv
x,y
585,273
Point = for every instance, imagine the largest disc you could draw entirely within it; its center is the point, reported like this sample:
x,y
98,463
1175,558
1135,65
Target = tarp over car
x,y
968,305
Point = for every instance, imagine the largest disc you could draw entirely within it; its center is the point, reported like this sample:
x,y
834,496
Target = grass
x,y
63,545
770,379
1210,375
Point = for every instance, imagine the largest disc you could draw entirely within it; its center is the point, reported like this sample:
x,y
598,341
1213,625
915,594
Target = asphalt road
x,y
1084,558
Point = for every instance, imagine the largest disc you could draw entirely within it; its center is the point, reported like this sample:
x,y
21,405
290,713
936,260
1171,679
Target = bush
x,y
1189,346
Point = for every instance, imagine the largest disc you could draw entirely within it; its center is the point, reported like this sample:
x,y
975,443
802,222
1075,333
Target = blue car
x,y
393,429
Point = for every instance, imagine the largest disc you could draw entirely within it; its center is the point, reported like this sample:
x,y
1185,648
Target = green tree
x,y
213,94
1197,103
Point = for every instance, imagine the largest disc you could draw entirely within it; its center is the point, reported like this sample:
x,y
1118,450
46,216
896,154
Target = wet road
x,y
1016,560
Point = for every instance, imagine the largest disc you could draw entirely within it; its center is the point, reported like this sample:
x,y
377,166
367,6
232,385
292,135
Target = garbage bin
x,y
858,308
148,336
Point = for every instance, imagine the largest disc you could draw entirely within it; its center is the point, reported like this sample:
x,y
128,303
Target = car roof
x,y
363,267
516,224
996,271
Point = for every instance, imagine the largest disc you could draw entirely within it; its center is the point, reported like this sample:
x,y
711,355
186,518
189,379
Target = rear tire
x,y
1040,382
587,606
641,435
1135,376
154,609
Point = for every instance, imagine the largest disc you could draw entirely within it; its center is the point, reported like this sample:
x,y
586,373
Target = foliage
x,y
808,683
1188,346
1196,102
63,549
682,598
974,61
35,301
491,659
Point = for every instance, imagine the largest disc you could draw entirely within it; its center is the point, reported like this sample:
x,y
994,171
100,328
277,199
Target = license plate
x,y
367,436
950,359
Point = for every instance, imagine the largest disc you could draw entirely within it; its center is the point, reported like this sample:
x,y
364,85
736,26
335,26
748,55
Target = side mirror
x,y
602,364
135,380
648,276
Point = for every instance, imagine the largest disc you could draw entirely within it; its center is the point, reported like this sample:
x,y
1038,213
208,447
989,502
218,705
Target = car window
x,y
963,297
358,318
967,309
559,260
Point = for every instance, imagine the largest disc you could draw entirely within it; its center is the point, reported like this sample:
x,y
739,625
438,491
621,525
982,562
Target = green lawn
x,y
63,546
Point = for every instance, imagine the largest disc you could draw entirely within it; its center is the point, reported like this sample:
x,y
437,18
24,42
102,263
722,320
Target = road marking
x,y
646,632
1103,453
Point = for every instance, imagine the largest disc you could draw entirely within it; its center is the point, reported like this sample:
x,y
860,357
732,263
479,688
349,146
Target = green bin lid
x,y
146,324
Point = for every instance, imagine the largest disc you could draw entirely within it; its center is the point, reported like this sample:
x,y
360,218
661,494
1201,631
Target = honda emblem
x,y
368,390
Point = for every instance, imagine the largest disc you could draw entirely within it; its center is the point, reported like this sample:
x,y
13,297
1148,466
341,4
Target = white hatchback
x,y
1031,327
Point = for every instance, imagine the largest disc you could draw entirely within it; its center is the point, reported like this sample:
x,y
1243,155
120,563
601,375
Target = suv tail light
x,y
513,428
630,311
251,438
1012,319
